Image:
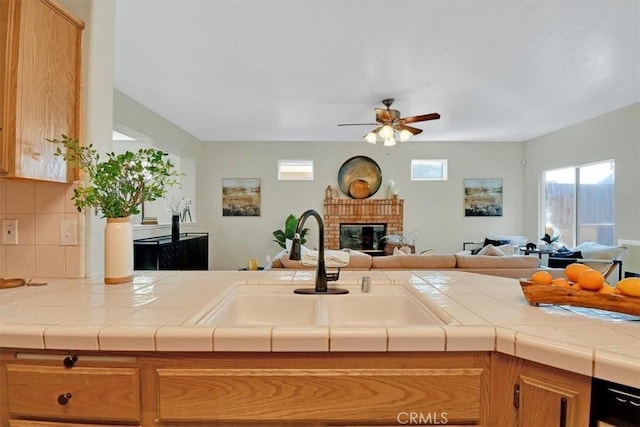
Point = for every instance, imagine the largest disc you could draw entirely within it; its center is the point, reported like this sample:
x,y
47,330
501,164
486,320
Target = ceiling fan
x,y
389,121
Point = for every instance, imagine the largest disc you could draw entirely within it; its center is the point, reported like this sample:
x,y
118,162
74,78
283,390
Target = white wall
x,y
616,136
433,210
97,74
152,130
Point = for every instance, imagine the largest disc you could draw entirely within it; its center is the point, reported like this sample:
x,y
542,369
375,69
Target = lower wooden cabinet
x,y
526,394
312,395
91,394
56,389
218,389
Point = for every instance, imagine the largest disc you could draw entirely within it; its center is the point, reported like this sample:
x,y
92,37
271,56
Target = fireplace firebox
x,y
363,237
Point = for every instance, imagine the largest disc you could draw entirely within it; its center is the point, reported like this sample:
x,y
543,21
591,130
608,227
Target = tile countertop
x,y
155,313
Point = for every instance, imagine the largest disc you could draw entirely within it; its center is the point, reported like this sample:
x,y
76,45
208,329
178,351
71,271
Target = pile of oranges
x,y
582,277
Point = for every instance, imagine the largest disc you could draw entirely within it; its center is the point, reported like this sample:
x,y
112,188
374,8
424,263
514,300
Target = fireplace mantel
x,y
361,211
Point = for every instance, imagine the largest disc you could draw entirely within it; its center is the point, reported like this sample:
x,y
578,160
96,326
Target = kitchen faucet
x,y
321,272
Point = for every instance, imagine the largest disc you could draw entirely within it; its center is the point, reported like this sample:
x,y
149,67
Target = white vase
x,y
118,251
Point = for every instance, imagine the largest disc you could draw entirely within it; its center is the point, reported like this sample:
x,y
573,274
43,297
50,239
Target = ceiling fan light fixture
x,y
386,132
391,127
405,135
371,137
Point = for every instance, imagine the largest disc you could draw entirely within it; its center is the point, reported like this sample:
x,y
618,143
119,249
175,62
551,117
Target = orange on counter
x,y
591,280
572,271
542,278
629,286
607,289
561,282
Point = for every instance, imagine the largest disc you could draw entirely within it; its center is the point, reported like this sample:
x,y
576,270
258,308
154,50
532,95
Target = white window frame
x,y
295,170
441,163
542,219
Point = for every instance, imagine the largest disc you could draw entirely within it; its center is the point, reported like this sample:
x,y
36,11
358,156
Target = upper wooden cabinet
x,y
40,87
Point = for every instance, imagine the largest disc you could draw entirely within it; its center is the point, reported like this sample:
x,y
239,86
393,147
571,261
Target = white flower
x,y
177,203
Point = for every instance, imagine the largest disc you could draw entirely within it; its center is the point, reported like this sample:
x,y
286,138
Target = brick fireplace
x,y
360,211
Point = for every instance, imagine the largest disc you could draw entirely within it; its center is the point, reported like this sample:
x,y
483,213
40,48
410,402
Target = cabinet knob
x,y
63,399
69,361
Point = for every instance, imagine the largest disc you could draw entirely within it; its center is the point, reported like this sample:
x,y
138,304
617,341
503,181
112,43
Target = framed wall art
x,y
483,197
240,196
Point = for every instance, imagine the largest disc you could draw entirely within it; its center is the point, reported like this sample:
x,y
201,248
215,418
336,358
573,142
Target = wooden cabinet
x,y
111,394
39,388
327,389
525,393
221,388
40,87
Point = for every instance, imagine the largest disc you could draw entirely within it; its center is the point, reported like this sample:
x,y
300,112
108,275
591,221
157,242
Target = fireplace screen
x,y
362,237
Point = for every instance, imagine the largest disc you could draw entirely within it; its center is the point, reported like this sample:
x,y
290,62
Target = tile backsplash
x,y
39,207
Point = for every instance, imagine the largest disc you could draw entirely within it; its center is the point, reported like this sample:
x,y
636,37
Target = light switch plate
x,y
68,232
9,231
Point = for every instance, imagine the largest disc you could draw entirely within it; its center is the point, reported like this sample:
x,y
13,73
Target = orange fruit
x,y
572,271
591,280
606,289
576,286
561,282
542,278
630,286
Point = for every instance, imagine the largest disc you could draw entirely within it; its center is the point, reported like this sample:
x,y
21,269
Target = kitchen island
x,y
141,342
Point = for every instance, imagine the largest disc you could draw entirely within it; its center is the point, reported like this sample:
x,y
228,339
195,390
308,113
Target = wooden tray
x,y
11,283
546,294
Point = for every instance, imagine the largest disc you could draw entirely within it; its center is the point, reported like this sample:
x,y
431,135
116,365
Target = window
x,y
579,203
429,170
295,170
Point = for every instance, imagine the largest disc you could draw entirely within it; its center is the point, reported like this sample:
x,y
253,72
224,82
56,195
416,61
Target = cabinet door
x,y
317,396
546,404
41,87
527,394
6,114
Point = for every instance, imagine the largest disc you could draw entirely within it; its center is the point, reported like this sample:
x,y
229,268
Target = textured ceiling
x,y
291,70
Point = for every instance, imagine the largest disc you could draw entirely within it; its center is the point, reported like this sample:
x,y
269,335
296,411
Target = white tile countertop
x,y
156,313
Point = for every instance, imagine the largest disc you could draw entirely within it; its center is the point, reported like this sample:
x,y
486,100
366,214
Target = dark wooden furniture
x,y
189,252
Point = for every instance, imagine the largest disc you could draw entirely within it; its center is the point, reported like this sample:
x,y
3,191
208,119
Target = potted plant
x,y
290,224
116,188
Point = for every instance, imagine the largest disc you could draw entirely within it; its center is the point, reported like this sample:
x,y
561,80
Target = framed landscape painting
x,y
483,197
240,196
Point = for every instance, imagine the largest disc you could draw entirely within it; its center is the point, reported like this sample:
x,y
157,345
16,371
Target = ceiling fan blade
x,y
376,130
382,115
422,118
357,124
385,116
414,131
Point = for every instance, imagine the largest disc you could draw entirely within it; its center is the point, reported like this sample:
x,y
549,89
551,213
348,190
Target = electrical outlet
x,y
9,231
68,232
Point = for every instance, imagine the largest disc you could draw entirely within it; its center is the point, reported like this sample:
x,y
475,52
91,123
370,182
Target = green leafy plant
x,y
289,231
547,238
118,185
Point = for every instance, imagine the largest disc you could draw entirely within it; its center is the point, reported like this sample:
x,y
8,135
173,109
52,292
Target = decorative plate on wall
x,y
359,177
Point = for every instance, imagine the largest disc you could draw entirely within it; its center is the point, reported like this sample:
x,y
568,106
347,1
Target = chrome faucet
x,y
296,254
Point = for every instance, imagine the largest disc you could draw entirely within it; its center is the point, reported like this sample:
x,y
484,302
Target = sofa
x,y
515,266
